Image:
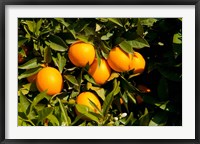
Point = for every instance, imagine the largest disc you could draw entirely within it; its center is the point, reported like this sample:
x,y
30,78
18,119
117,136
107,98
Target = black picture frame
x,y
3,4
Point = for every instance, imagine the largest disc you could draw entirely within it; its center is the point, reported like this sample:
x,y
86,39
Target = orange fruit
x,y
121,101
49,79
84,99
119,60
139,99
138,63
100,73
81,53
20,58
32,78
143,89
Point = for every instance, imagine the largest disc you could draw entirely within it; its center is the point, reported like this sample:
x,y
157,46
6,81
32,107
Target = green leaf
x,y
38,26
107,36
24,103
44,113
130,120
116,21
38,98
170,73
33,63
113,76
71,79
163,89
131,96
100,91
53,120
89,79
148,21
85,39
47,55
128,86
21,40
125,45
61,62
159,119
81,24
29,72
62,21
95,106
84,110
177,38
138,43
140,29
67,119
110,97
56,43
31,25
144,119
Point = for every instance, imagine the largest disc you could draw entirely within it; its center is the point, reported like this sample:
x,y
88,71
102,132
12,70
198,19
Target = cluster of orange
x,y
81,54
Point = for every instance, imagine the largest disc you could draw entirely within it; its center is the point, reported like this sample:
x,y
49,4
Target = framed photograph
x,y
99,72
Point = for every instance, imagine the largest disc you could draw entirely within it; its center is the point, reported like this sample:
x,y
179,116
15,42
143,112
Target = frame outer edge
x,y
2,74
197,67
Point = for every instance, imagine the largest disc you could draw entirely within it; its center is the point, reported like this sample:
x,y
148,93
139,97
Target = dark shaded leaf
x,y
116,21
163,89
47,55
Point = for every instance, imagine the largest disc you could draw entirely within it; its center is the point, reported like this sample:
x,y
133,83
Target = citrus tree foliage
x,y
47,41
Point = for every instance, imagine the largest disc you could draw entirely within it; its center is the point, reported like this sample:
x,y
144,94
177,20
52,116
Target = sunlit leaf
x,y
24,103
64,113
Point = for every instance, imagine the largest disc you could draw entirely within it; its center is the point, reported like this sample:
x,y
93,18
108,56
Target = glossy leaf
x,y
56,43
71,79
29,72
126,46
33,63
84,110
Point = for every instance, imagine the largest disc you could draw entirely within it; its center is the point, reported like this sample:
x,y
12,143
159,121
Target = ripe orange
x,y
119,60
138,63
100,73
84,99
49,79
143,89
81,53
